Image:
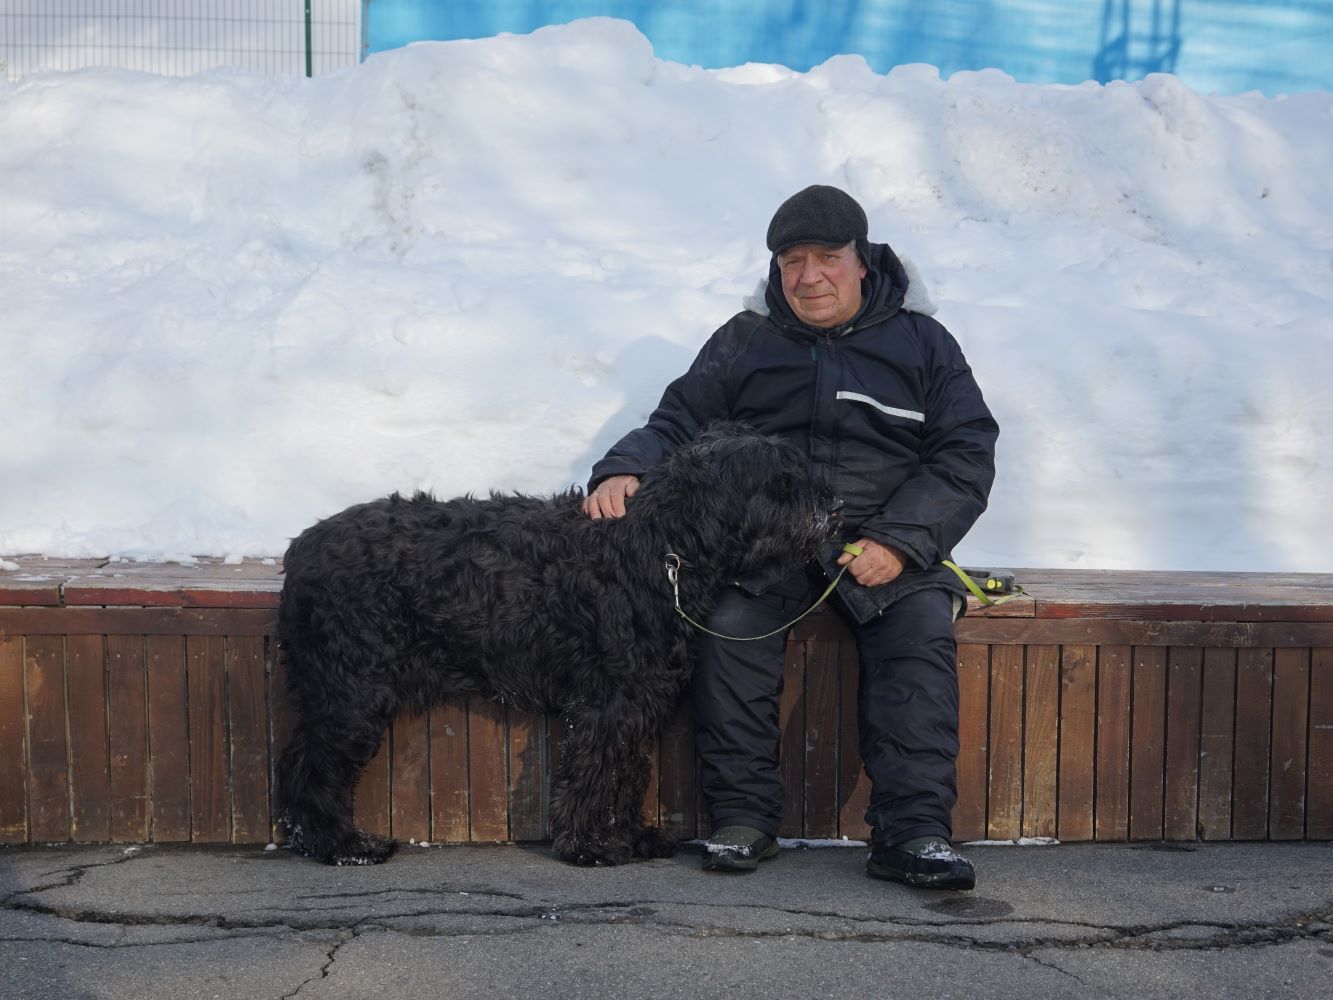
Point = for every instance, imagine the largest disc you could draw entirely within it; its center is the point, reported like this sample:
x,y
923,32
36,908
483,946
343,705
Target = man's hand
x,y
876,565
608,500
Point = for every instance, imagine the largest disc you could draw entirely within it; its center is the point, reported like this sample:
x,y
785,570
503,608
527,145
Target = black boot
x,y
923,862
738,849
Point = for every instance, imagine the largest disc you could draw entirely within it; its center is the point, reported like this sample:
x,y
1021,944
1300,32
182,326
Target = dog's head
x,y
748,499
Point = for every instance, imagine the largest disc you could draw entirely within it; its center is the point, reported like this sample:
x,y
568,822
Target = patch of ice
x,y
940,851
270,847
786,843
8,566
1020,842
712,848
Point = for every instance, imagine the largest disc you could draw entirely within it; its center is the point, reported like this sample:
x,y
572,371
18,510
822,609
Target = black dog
x,y
403,603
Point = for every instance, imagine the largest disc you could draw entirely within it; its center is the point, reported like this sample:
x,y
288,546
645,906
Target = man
x,y
883,402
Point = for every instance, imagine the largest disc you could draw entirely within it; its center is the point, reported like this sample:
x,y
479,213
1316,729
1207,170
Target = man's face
x,y
822,284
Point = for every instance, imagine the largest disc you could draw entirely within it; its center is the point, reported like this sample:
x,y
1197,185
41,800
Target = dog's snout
x,y
826,516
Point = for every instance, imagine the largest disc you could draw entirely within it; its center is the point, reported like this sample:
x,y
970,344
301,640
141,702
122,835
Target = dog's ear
x,y
730,457
724,431
695,467
706,483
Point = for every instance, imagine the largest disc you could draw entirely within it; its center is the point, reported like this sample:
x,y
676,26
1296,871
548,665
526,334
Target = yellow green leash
x,y
1001,585
997,583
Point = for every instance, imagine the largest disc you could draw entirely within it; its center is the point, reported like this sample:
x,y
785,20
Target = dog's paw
x,y
601,858
651,842
362,848
590,853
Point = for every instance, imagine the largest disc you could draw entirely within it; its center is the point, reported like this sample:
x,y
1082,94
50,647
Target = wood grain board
x,y
144,702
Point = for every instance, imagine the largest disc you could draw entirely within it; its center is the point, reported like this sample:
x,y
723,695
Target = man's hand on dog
x,y
608,500
876,565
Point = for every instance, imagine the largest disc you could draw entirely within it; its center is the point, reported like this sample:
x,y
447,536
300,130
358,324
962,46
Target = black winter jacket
x,y
885,406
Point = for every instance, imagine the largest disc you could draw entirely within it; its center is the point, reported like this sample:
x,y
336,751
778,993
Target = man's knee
x,y
908,703
737,613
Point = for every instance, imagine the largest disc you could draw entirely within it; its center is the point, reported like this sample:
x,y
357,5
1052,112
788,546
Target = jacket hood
x,y
891,283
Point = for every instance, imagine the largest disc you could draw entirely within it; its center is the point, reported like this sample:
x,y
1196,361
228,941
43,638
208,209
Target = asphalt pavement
x,y
1073,920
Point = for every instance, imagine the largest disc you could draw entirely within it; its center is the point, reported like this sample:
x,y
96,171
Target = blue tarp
x,y
1227,46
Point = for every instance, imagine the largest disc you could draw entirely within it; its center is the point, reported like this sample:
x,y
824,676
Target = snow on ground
x,y
233,304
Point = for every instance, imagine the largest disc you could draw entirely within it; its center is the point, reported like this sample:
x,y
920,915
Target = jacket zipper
x,y
822,416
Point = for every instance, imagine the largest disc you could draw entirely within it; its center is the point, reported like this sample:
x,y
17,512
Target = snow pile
x,y
234,304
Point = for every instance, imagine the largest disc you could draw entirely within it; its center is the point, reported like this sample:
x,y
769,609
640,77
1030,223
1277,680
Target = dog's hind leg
x,y
316,774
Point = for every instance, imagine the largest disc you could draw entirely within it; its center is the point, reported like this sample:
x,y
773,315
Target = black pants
x,y
907,710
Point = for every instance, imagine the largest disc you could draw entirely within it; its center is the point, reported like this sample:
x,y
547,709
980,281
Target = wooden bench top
x,y
205,583
1051,594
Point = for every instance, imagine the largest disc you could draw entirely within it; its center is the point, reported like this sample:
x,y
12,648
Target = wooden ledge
x,y
144,701
203,583
1174,596
1051,594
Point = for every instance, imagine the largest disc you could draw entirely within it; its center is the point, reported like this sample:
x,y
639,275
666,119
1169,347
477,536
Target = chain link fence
x,y
179,37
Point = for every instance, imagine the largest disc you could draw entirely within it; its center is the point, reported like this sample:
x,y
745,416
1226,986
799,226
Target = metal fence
x,y
179,37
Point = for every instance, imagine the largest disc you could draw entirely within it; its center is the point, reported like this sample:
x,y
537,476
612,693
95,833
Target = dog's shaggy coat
x,y
402,603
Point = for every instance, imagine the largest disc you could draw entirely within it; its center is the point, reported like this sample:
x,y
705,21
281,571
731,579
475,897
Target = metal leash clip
x,y
673,574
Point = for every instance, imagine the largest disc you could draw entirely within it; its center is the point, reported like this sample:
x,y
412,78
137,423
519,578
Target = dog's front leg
x,y
593,780
636,769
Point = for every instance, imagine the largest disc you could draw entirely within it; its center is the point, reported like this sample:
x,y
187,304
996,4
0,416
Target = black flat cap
x,y
819,214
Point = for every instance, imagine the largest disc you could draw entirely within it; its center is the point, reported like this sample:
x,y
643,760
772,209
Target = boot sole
x,y
942,880
737,865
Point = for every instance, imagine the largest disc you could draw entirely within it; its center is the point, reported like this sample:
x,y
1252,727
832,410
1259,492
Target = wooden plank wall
x,y
131,725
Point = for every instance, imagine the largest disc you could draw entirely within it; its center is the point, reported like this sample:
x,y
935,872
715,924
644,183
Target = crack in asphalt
x,y
74,875
326,969
1143,937
1314,925
414,890
121,943
1065,972
1112,939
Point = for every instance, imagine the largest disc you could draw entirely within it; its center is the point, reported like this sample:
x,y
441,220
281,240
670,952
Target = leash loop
x,y
975,590
674,563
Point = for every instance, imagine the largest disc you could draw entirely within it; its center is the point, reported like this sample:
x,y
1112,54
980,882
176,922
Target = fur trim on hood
x,y
917,299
